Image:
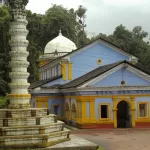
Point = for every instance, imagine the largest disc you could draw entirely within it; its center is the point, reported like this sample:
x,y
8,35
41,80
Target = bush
x,y
3,102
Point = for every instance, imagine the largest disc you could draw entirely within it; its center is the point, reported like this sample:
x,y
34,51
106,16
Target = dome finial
x,y
60,32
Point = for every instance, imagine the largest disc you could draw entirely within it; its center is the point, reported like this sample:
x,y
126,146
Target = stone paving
x,y
76,143
118,139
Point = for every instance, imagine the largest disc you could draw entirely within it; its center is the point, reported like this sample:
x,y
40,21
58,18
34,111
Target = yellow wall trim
x,y
88,97
92,110
43,62
95,122
70,71
63,70
42,98
142,120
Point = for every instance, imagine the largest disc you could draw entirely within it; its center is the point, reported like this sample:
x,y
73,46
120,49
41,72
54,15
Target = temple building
x,y
95,86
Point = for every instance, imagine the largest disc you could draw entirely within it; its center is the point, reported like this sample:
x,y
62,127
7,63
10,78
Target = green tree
x,y
57,17
80,27
35,31
132,42
4,50
32,58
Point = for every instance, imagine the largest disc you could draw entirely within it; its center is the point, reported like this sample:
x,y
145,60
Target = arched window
x,y
73,109
66,110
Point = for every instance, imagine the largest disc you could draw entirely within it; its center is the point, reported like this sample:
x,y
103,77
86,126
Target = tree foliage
x,y
132,42
43,28
80,27
4,50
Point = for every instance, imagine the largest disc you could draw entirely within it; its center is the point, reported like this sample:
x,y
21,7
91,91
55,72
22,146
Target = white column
x,y
19,97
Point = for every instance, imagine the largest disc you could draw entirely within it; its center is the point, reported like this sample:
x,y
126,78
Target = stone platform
x,y
76,143
30,128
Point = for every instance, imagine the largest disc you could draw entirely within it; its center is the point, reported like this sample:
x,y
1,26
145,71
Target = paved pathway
x,y
118,139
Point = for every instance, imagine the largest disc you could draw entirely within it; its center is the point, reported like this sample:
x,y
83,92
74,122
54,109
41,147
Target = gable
x,y
86,60
114,79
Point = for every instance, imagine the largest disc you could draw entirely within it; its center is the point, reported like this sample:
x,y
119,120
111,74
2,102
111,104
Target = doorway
x,y
123,115
56,109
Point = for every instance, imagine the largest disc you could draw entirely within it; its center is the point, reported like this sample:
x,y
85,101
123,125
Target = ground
x,y
121,139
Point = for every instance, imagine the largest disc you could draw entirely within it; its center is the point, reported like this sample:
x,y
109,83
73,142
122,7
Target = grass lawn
x,y
101,148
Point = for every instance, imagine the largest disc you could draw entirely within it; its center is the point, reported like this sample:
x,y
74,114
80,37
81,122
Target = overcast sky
x,y
104,15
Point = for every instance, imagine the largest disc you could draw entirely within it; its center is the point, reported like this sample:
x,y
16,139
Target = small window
x,y
123,82
143,110
99,61
104,111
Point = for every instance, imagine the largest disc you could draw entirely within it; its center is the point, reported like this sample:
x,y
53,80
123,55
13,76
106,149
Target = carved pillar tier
x,y
19,97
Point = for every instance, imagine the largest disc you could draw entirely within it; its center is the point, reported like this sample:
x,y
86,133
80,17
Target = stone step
x,y
34,141
32,130
28,121
32,112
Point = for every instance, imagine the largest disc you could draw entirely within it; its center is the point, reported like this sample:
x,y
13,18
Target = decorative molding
x,y
138,73
18,31
19,106
19,22
19,75
19,85
19,64
114,88
18,54
22,43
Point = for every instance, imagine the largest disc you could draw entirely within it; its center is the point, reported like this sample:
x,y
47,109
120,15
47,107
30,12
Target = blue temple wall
x,y
123,74
56,101
86,60
88,109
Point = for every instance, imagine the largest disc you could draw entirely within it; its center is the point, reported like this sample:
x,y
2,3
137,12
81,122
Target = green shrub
x,y
3,102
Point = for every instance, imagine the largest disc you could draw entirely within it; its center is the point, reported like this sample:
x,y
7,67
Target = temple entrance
x,y
56,109
123,115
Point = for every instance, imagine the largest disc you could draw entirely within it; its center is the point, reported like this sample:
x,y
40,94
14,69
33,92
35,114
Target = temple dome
x,y
60,44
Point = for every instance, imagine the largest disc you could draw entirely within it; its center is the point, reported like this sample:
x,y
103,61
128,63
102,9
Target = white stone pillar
x,y
19,96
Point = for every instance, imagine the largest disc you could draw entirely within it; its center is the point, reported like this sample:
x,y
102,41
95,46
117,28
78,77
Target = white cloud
x,y
40,6
104,15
